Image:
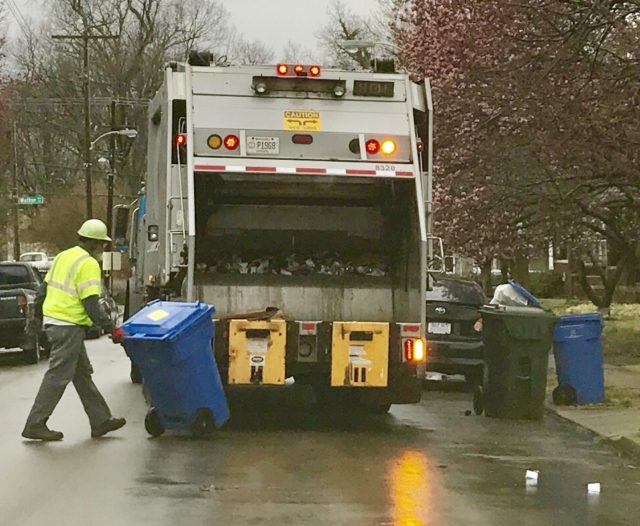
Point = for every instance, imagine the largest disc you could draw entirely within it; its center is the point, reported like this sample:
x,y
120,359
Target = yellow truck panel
x,y
257,352
360,354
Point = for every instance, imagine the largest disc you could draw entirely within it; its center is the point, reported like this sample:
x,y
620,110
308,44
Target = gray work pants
x,y
68,363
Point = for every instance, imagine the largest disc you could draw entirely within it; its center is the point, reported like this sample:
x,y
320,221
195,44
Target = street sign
x,y
31,200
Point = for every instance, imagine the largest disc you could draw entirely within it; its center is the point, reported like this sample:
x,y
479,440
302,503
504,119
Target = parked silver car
x,y
39,260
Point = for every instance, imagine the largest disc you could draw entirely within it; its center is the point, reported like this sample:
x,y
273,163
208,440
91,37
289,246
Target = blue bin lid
x,y
165,318
525,293
580,318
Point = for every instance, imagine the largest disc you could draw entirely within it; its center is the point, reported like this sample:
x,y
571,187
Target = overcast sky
x,y
276,21
271,21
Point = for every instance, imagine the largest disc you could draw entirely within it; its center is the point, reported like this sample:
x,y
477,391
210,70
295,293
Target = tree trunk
x,y
521,268
609,280
485,267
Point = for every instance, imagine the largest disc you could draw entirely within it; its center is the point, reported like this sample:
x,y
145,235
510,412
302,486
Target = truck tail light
x,y
372,146
300,138
282,69
22,304
181,139
298,69
231,142
314,71
415,350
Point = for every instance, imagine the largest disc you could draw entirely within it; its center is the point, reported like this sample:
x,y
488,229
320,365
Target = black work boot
x,y
107,426
41,432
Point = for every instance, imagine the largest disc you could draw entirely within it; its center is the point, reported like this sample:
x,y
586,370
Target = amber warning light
x,y
415,350
181,139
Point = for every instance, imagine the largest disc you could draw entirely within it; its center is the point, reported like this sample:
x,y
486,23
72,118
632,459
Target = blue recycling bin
x,y
170,342
578,353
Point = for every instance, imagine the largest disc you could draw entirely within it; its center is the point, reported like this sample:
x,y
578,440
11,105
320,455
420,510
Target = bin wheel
x,y
478,400
564,395
152,423
135,374
203,424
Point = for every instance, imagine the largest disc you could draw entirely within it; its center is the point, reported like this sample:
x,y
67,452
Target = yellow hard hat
x,y
94,229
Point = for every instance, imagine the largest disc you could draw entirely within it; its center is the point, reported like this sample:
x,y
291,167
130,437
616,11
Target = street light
x,y
106,166
126,132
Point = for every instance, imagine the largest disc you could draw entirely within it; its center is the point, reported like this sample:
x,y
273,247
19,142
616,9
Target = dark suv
x,y
454,328
19,326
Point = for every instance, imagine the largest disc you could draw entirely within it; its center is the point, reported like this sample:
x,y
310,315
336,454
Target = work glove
x,y
118,335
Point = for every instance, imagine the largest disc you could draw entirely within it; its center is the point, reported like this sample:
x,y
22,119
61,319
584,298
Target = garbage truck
x,y
296,199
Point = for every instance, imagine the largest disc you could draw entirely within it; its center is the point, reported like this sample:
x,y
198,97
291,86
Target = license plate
x,y
439,328
263,145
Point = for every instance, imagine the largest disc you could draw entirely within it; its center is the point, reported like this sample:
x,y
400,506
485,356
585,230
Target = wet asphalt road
x,y
280,463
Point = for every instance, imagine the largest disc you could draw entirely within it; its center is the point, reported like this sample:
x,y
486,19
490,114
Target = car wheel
x,y
474,378
478,400
32,353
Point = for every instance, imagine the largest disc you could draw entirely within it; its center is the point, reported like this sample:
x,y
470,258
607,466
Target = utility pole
x,y
112,172
16,197
86,36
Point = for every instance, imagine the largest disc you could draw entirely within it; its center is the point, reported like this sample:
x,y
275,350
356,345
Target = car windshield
x,y
30,257
14,275
456,292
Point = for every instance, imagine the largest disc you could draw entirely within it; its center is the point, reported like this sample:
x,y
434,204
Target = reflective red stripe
x,y
261,169
209,168
298,170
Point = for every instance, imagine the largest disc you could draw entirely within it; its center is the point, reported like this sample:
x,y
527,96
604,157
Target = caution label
x,y
301,120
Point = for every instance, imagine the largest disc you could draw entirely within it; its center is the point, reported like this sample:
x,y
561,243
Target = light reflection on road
x,y
410,488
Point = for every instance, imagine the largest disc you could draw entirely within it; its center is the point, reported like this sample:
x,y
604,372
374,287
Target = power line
x,y
85,36
17,15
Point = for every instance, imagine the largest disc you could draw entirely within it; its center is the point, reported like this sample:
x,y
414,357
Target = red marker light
x,y
372,146
298,69
181,139
282,69
314,71
231,142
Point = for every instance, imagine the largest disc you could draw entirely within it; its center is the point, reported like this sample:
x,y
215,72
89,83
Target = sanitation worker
x,y
71,291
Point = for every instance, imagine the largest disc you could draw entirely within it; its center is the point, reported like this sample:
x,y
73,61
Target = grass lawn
x,y
621,335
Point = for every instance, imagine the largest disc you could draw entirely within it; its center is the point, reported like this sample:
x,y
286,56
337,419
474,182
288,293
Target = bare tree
x,y
250,52
128,69
294,52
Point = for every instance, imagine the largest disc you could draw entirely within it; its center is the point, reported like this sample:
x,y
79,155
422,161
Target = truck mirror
x,y
153,233
120,222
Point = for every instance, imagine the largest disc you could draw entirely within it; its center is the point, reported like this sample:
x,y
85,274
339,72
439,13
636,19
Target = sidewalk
x,y
618,418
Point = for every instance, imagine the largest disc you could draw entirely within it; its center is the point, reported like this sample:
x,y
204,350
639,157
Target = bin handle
x,y
523,378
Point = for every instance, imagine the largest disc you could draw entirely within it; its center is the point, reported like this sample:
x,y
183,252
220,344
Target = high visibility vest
x,y
74,276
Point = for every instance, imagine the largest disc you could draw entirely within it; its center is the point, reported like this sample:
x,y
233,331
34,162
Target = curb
x,y
622,444
626,445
